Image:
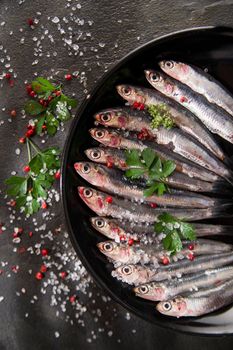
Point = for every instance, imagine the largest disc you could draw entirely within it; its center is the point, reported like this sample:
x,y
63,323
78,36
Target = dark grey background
x,y
117,28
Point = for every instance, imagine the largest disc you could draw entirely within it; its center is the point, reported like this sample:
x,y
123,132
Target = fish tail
x,y
221,211
222,187
225,230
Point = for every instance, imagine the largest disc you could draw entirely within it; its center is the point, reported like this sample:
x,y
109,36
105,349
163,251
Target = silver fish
x,y
181,116
155,254
198,304
201,82
117,230
138,274
104,205
175,139
166,290
114,181
116,139
217,120
113,157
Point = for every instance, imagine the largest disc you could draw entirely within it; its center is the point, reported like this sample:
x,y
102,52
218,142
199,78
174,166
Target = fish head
x,y
96,154
131,93
116,118
104,226
109,248
127,273
160,82
93,199
106,137
174,307
91,172
151,291
175,69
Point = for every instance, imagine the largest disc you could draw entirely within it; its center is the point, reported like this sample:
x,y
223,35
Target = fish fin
x,y
228,161
222,211
222,187
225,230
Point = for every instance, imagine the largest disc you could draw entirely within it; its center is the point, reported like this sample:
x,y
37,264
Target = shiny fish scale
x,y
198,304
215,118
125,209
183,165
177,180
201,82
203,280
175,139
114,181
181,116
145,274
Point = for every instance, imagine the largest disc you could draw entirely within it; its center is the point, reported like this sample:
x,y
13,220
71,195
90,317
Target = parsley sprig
x,y
175,230
160,116
51,107
148,164
31,190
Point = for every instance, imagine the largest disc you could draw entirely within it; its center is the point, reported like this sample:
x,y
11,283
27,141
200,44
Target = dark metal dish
x,y
207,47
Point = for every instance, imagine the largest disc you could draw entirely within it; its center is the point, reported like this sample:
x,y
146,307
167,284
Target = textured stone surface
x,y
121,26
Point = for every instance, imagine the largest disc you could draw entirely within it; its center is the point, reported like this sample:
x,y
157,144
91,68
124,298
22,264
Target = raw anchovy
x,y
181,116
117,140
138,274
165,290
201,82
120,208
113,157
114,181
109,156
154,254
215,118
116,229
173,138
198,304
111,229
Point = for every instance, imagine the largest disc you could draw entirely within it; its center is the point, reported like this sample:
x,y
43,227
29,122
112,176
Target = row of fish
x,y
199,278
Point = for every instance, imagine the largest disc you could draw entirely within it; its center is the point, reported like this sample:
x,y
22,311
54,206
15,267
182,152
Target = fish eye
x,y
155,77
143,289
95,154
88,193
167,306
99,223
108,247
105,117
86,168
127,270
126,90
169,64
99,134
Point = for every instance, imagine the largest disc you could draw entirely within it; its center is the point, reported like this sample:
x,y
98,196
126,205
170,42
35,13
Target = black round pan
x,y
206,47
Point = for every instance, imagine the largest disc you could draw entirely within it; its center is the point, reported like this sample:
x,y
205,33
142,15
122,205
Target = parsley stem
x,y
36,148
29,150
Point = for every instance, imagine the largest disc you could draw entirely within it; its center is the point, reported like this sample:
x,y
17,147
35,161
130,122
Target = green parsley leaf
x,y
175,230
33,107
148,155
133,158
187,231
17,185
36,164
42,85
134,173
30,190
40,124
168,168
148,164
71,102
62,111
